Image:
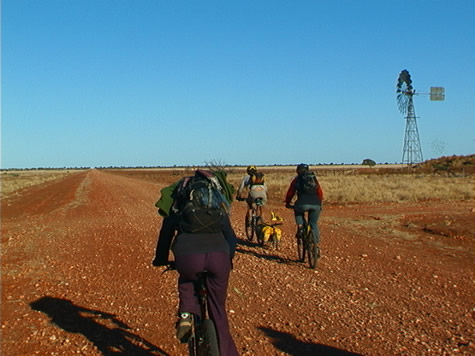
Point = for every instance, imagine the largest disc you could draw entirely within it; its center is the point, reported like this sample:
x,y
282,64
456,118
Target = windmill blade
x,y
404,80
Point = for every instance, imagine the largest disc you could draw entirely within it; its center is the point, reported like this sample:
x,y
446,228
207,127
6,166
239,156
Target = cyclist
x,y
309,198
255,185
195,252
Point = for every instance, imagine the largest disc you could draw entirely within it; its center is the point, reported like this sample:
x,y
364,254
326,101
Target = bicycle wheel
x,y
275,241
192,346
312,250
248,223
300,247
194,340
210,343
258,230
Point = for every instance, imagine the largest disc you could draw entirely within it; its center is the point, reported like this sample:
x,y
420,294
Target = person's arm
x,y
320,192
165,238
244,183
291,191
230,236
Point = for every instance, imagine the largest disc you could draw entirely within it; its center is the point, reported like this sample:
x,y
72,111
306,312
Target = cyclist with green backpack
x,y
197,229
309,198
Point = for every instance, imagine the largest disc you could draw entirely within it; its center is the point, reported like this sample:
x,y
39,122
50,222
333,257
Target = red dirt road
x,y
394,279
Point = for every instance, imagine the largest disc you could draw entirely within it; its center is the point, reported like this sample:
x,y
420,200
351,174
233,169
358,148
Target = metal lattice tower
x,y
412,151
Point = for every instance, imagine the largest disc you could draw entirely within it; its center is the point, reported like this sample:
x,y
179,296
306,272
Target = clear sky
x,y
91,83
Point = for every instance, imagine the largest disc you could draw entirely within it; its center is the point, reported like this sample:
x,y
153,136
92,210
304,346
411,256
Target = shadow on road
x,y
110,340
287,343
265,256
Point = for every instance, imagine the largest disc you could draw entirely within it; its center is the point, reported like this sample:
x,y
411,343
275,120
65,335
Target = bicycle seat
x,y
202,274
259,201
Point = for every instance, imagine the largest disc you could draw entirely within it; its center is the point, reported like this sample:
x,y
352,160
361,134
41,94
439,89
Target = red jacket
x,y
293,189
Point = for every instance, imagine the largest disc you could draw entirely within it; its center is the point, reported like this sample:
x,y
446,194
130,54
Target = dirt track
x,y
394,279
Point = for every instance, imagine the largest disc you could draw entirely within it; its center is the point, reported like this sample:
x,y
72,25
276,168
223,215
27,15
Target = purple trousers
x,y
218,265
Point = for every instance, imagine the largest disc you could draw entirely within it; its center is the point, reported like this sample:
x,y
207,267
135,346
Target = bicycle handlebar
x,y
170,267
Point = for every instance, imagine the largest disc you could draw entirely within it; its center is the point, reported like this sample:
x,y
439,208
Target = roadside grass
x,y
338,187
374,188
12,181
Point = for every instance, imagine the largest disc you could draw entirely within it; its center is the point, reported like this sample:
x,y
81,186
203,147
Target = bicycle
x,y
203,340
306,244
252,220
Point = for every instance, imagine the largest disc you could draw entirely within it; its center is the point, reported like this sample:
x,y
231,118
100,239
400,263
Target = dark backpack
x,y
307,183
201,204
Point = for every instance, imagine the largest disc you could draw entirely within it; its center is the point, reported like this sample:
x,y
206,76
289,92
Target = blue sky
x,y
158,83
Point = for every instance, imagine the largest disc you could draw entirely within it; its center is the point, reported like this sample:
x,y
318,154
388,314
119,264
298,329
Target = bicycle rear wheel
x,y
312,250
275,241
248,223
194,341
210,344
300,247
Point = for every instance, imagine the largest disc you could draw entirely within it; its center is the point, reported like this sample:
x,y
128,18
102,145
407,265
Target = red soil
x,y
393,279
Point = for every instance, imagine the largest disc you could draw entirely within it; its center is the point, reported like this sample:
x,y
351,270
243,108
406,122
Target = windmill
x,y
412,152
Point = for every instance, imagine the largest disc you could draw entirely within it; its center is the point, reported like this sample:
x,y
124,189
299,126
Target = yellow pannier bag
x,y
267,231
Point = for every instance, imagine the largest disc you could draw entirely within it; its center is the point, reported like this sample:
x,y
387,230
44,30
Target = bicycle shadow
x,y
287,343
109,340
269,257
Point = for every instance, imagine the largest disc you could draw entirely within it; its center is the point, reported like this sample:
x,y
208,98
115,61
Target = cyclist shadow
x,y
109,340
287,343
269,257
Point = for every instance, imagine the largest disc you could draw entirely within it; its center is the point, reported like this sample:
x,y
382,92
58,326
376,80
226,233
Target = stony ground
x,y
394,279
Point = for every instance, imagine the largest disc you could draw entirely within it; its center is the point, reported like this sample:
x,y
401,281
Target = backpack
x,y
307,183
201,204
257,179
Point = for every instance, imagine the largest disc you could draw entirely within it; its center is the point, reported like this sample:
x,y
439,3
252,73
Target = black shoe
x,y
183,327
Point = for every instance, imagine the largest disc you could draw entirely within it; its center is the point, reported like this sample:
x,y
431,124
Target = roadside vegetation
x,y
381,188
447,178
12,181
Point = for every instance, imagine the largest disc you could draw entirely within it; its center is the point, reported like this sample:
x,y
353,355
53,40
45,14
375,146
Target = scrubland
x,y
382,188
374,188
340,184
12,181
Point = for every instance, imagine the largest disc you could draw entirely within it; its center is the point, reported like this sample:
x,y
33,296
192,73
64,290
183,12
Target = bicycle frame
x,y
203,340
306,244
252,219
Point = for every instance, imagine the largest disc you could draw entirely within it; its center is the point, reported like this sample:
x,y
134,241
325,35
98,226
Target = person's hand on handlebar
x,y
169,264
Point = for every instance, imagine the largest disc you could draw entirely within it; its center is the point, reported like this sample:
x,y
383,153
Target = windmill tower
x,y
412,152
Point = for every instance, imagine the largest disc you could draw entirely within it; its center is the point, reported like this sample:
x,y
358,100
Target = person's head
x,y
302,168
251,170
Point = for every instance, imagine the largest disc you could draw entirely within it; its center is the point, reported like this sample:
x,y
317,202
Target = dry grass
x,y
12,181
397,188
374,188
349,186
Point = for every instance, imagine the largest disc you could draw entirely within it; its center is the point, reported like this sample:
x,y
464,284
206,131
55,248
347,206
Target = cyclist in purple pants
x,y
195,252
